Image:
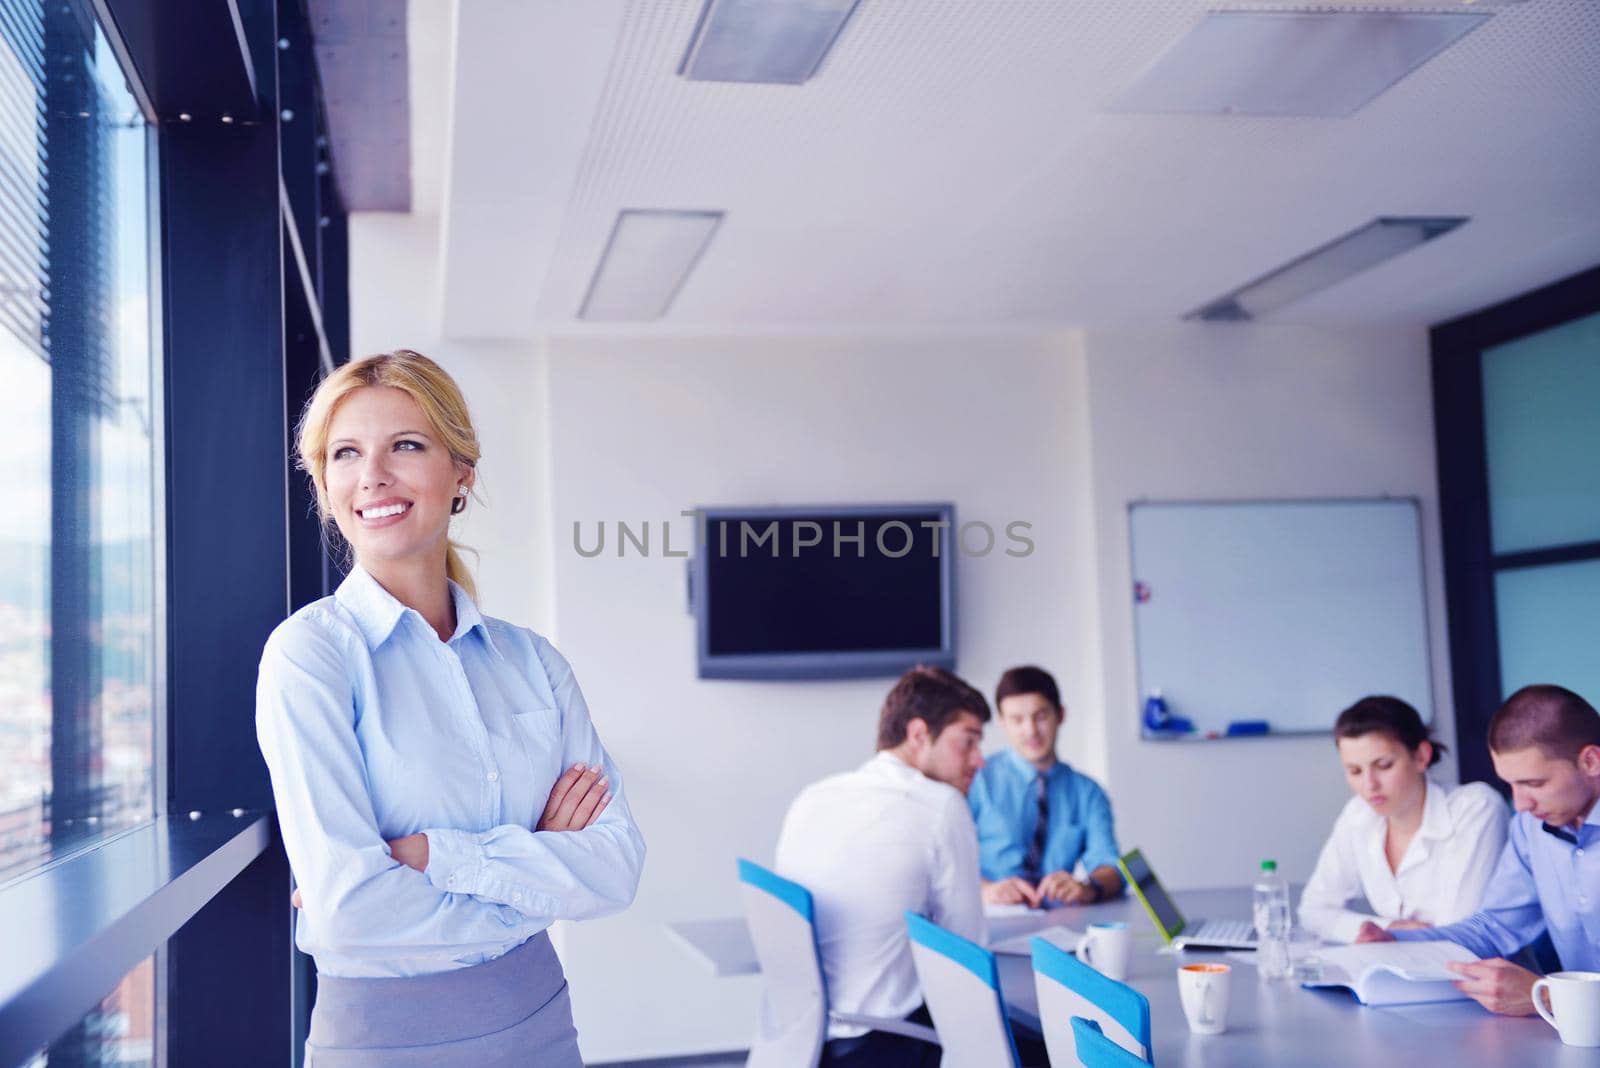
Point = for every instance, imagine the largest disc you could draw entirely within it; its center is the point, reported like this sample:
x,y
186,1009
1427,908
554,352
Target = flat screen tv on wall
x,y
818,592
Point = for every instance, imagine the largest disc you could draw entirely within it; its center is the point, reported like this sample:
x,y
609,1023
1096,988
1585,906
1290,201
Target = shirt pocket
x,y
537,734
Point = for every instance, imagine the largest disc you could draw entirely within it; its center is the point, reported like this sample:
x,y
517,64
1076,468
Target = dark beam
x,y
190,56
227,505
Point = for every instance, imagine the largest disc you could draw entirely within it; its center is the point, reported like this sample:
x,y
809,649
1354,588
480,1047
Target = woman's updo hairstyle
x,y
425,382
1393,717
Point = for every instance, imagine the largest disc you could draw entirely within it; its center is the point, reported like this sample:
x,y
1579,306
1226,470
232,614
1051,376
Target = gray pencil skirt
x,y
514,1010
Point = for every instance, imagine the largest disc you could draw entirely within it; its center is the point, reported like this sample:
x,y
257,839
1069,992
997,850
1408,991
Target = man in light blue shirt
x,y
1038,818
1545,742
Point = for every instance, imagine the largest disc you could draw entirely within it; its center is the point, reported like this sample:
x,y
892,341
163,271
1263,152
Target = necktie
x,y
1035,858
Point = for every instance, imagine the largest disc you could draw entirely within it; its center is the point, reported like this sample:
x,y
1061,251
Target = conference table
x,y
1269,1023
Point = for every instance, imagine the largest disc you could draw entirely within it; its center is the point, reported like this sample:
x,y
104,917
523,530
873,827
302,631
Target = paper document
x,y
1022,945
1394,973
1419,962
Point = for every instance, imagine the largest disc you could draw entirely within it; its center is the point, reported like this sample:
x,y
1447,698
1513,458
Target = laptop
x,y
1181,933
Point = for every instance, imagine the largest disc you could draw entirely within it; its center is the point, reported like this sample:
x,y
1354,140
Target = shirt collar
x,y
888,763
377,611
1566,834
1025,769
469,619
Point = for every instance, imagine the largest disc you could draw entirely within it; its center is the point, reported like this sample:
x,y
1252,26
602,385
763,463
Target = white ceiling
x,y
953,163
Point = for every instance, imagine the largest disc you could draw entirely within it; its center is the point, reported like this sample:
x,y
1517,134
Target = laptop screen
x,y
1154,894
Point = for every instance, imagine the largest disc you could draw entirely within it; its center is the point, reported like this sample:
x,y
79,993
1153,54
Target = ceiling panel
x,y
955,162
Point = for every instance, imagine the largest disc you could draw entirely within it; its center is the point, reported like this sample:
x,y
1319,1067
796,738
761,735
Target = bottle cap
x,y
1269,865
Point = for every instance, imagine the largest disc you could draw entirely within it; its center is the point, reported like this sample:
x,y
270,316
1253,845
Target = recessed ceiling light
x,y
1363,247
780,41
1324,64
646,262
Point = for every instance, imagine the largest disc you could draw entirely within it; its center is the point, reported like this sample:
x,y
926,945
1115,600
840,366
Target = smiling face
x,y
390,481
1555,790
1384,774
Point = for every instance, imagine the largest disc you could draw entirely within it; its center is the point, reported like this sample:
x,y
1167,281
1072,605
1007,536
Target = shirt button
x,y
494,776
1580,852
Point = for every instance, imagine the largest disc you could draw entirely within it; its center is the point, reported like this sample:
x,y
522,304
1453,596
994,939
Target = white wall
x,y
1061,430
394,303
642,429
1246,411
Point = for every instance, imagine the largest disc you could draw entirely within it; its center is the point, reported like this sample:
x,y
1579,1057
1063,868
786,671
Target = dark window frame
x,y
1470,563
251,301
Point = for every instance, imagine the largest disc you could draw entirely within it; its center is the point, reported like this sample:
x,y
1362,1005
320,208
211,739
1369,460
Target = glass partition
x,y
1541,429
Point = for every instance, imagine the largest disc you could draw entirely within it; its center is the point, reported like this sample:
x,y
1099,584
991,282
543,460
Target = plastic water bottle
x,y
1272,922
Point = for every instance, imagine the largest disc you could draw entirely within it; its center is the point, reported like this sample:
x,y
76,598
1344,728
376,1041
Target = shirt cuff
x,y
1416,934
455,861
1094,864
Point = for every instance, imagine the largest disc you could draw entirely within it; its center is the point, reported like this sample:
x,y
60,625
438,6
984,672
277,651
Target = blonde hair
x,y
425,382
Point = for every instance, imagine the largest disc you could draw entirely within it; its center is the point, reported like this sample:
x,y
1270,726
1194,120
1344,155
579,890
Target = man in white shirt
x,y
894,835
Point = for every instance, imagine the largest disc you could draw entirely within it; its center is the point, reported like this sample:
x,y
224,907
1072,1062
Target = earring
x,y
459,505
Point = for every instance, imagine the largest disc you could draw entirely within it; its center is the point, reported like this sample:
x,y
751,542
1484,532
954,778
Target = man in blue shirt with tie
x,y
1545,742
1038,818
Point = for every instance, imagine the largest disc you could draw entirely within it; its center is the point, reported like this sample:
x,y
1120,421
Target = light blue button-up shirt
x,y
1006,811
1546,878
374,729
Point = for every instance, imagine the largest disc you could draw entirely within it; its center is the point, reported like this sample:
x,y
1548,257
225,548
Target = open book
x,y
1394,973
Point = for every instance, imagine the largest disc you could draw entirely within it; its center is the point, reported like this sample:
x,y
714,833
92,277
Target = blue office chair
x,y
1095,1050
794,1005
1069,988
961,985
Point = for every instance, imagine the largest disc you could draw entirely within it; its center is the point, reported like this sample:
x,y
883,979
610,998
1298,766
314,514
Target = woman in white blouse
x,y
1419,852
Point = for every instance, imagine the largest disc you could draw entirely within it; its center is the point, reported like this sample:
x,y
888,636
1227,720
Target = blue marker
x,y
1156,716
1158,719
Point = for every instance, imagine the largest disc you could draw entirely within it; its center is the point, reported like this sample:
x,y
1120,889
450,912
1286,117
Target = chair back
x,y
794,1003
1069,988
1096,1050
961,985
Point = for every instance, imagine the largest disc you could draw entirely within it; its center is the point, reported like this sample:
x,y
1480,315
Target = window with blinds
x,y
78,534
24,175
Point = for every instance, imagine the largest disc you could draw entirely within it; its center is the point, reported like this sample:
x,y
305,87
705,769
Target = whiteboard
x,y
1279,611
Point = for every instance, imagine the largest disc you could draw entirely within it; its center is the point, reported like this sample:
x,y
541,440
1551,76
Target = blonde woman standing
x,y
442,793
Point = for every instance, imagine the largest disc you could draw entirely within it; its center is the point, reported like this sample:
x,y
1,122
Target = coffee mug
x,y
1574,999
1203,989
1105,948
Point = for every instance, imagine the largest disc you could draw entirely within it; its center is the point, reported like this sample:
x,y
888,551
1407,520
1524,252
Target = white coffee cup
x,y
1106,948
1574,999
1203,989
